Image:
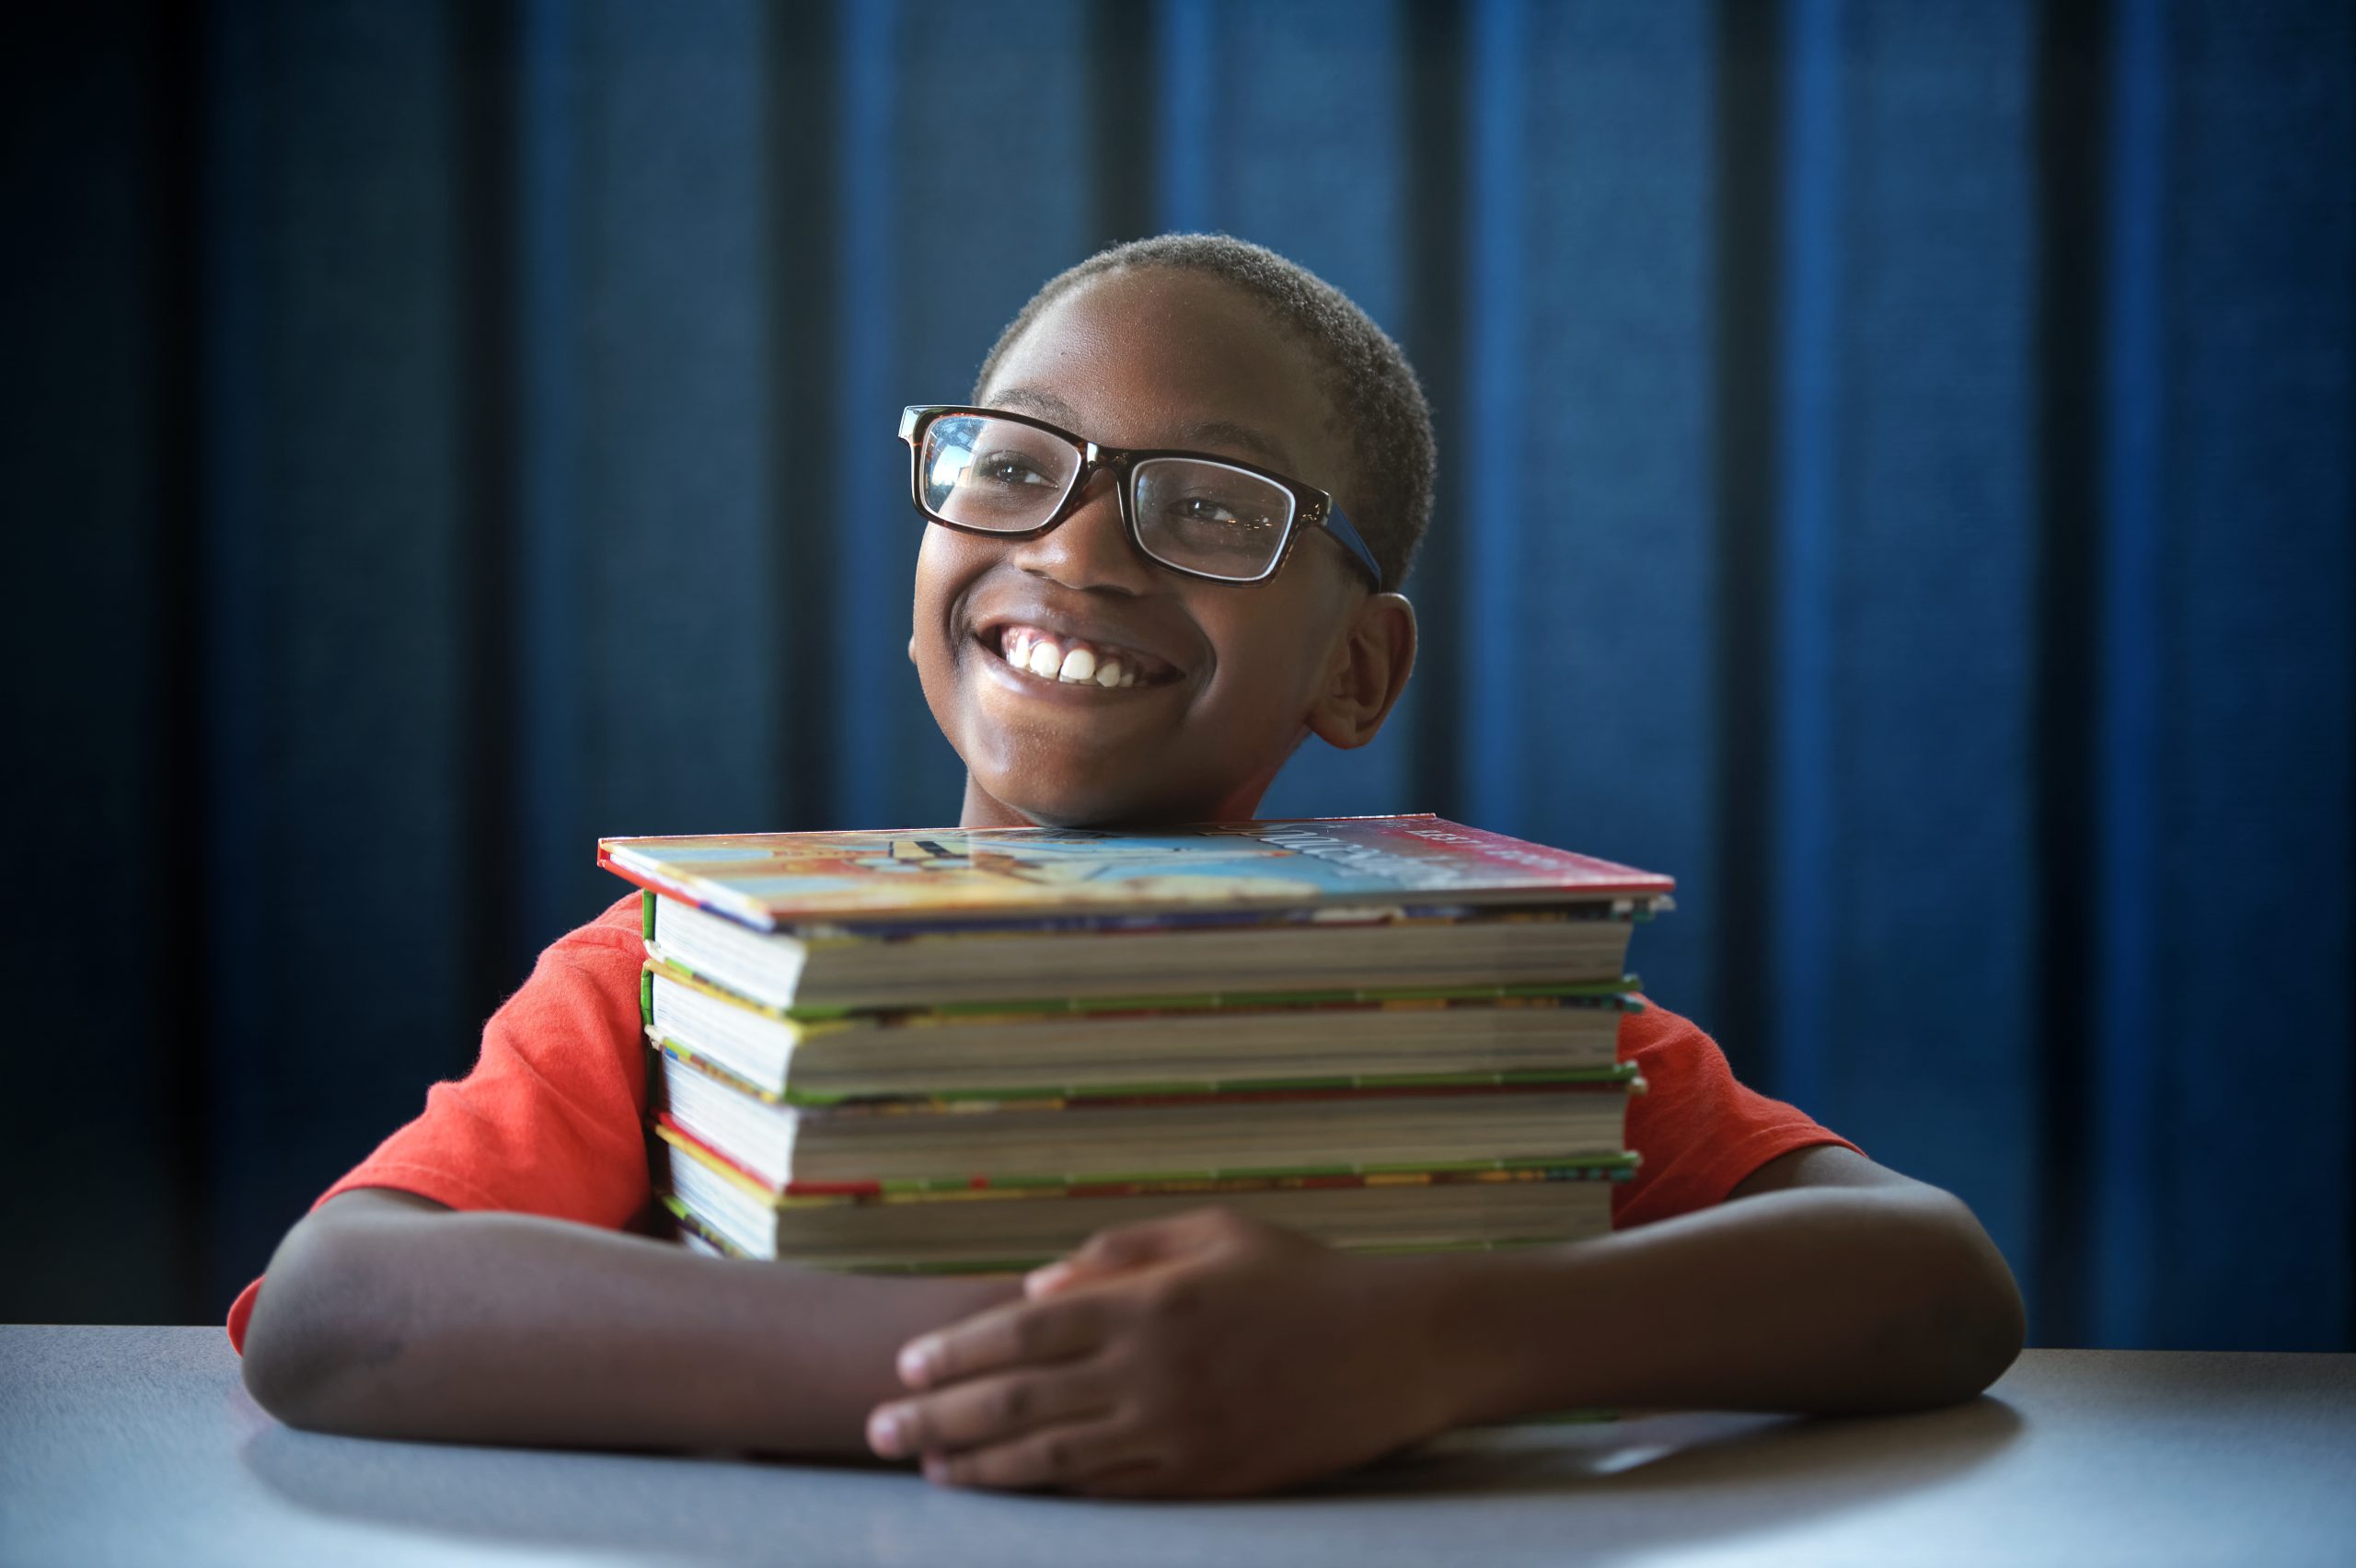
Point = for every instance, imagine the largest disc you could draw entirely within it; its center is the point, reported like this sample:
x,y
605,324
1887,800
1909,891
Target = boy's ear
x,y
1368,672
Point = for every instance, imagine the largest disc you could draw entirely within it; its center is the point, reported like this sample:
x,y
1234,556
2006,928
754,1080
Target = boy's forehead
x,y
1172,359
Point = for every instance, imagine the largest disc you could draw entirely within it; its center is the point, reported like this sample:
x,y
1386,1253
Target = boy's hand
x,y
1206,1354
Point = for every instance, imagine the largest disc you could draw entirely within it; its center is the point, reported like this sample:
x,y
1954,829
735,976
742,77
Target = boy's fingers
x,y
1067,1455
1019,1334
1108,1251
1122,1247
1127,1245
984,1411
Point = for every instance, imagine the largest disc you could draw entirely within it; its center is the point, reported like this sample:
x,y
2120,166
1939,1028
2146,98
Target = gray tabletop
x,y
139,1446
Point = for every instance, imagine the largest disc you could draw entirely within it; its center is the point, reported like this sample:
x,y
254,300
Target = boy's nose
x,y
1090,548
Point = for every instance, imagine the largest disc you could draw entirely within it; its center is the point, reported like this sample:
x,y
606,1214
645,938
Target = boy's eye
x,y
1208,512
1211,516
1008,468
996,475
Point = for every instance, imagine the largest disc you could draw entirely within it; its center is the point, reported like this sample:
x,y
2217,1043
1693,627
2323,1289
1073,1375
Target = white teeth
x,y
1044,656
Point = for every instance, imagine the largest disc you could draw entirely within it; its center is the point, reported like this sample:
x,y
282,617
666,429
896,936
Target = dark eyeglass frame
x,y
1312,508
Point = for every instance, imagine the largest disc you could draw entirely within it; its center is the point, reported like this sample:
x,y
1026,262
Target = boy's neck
x,y
984,809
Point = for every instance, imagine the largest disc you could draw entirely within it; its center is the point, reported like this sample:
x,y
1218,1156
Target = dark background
x,y
1897,479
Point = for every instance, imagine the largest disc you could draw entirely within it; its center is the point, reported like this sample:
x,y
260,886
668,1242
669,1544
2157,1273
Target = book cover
x,y
957,877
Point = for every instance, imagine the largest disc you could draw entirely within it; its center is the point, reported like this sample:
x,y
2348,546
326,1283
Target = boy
x,y
472,1280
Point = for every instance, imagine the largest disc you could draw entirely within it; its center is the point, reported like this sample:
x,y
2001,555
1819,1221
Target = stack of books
x,y
969,1049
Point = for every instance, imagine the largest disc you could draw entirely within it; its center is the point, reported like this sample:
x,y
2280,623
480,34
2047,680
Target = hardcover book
x,y
822,924
1141,1045
979,1228
774,882
895,1144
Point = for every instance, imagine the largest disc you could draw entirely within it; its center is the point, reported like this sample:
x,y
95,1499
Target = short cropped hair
x,y
1377,401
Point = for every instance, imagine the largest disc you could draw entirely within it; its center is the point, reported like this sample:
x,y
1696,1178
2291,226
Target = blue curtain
x,y
1898,479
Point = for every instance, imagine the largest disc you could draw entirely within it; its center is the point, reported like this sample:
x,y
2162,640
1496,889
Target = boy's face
x,y
1228,679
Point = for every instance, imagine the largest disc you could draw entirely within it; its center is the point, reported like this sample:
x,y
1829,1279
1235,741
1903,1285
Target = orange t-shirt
x,y
551,1119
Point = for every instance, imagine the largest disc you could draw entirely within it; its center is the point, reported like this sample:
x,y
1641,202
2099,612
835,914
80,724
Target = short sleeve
x,y
550,1119
1698,1133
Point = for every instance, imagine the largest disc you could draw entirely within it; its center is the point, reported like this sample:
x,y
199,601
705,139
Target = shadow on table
x,y
683,1508
1625,1488
1826,1460
1656,1483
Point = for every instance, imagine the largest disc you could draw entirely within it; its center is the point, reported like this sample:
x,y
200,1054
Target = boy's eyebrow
x,y
1235,434
1047,406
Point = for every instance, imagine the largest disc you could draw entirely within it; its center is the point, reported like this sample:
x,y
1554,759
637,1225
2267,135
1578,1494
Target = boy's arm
x,y
1827,1284
387,1315
1212,1354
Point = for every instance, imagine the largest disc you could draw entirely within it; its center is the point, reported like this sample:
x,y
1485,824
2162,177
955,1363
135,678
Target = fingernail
x,y
1042,1280
916,1361
886,1430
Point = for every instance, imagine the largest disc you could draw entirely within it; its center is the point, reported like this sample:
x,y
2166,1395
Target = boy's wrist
x,y
1478,1313
1459,1309
823,1346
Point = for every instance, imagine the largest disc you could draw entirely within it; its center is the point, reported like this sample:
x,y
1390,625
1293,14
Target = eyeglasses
x,y
985,471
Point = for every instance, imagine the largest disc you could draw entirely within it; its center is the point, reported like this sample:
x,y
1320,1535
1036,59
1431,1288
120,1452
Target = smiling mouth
x,y
1074,660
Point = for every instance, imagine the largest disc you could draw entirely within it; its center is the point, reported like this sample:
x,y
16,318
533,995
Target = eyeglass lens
x,y
1003,477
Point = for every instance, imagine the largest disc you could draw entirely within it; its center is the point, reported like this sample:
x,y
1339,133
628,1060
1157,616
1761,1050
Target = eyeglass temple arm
x,y
1341,529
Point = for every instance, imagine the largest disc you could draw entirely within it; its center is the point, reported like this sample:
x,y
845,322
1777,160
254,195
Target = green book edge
x,y
1624,1073
1622,993
1033,1186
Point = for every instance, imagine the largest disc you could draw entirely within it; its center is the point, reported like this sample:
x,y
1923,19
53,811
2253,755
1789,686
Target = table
x,y
139,1444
